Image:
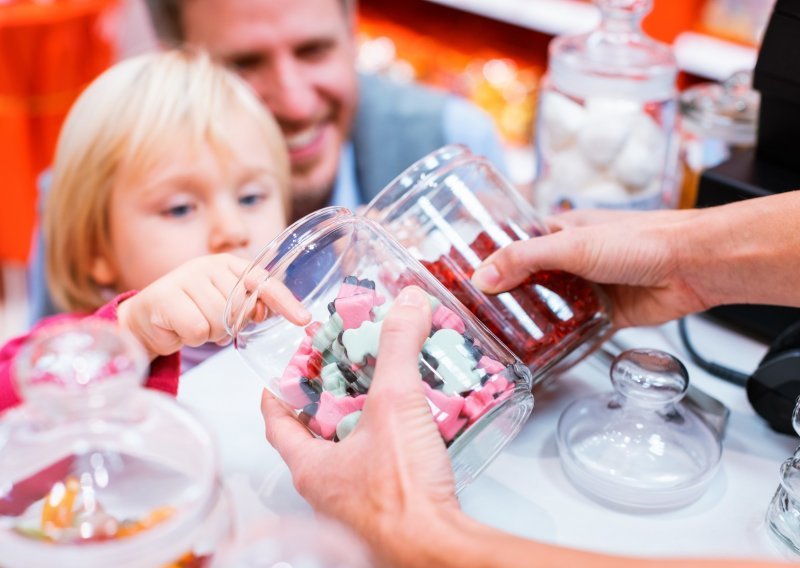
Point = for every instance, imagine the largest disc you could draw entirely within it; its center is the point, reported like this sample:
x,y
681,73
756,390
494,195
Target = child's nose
x,y
228,232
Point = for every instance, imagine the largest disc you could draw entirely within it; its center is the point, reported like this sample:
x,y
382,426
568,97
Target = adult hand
x,y
637,257
186,306
393,470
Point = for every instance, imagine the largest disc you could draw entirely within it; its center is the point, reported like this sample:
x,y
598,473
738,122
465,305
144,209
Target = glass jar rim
x,y
299,235
428,167
421,176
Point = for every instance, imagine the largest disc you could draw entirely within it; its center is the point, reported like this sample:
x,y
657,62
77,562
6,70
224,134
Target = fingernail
x,y
413,297
302,314
486,276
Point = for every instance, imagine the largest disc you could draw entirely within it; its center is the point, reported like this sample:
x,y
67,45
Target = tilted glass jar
x,y
451,210
97,471
346,270
607,116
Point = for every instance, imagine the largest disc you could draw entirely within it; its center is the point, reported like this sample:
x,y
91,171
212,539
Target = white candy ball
x,y
561,120
601,139
636,166
649,134
571,171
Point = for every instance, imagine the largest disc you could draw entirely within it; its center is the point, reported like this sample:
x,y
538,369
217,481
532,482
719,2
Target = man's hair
x,y
127,120
168,20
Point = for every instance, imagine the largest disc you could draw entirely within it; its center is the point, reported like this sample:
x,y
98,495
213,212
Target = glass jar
x,y
639,447
451,210
97,471
715,119
346,270
783,513
607,113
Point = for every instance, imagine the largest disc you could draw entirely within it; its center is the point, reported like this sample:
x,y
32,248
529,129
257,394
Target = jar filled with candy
x,y
716,118
606,118
97,471
451,210
347,271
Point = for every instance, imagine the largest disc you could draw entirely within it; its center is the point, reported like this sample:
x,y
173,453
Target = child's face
x,y
194,202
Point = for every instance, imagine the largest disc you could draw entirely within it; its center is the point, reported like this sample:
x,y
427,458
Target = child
x,y
164,160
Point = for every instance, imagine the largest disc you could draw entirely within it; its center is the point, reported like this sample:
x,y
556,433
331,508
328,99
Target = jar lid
x,y
727,111
639,447
95,469
616,60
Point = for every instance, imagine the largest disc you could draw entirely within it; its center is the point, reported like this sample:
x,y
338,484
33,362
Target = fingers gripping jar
x,y
346,270
606,117
452,210
98,471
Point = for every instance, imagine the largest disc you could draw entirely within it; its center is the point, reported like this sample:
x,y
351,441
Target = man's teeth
x,y
303,138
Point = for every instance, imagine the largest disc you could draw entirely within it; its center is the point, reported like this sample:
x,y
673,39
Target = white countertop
x,y
525,490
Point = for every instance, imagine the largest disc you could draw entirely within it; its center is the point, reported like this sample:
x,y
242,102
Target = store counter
x,y
525,491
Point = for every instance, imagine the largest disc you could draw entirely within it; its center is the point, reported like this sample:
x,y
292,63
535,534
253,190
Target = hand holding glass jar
x,y
347,272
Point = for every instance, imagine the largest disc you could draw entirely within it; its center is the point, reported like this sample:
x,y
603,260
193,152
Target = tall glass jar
x,y
783,512
97,471
451,210
606,118
346,270
716,118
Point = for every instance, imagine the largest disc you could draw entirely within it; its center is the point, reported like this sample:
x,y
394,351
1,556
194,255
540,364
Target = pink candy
x,y
354,304
491,366
492,393
331,410
445,318
446,410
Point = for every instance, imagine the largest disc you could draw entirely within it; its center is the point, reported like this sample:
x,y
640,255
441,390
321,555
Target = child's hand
x,y
186,306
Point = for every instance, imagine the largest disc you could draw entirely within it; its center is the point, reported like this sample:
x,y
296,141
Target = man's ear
x,y
103,272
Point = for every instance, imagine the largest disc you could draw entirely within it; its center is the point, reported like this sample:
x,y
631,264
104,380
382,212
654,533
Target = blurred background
x,y
492,52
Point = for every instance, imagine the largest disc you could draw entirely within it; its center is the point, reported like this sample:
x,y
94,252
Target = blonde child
x,y
169,175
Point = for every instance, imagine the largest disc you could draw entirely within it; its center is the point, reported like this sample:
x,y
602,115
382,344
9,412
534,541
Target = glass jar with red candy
x,y
451,210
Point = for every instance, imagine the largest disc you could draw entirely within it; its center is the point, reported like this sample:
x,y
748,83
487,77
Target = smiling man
x,y
348,135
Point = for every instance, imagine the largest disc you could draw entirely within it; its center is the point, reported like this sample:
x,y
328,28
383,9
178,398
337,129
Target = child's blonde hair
x,y
128,118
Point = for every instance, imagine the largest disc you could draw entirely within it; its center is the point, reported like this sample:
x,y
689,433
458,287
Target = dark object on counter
x,y
773,167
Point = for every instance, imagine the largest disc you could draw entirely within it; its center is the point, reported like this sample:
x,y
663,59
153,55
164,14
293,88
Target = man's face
x,y
299,56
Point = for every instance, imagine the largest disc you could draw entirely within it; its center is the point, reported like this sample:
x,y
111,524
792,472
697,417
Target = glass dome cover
x,y
616,58
639,447
727,111
97,471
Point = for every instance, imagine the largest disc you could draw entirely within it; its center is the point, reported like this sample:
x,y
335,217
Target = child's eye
x,y
252,199
178,210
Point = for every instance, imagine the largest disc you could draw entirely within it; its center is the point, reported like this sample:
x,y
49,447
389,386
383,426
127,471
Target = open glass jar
x,y
97,471
451,210
346,271
607,117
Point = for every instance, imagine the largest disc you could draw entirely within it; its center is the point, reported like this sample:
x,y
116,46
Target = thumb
x,y
403,331
511,265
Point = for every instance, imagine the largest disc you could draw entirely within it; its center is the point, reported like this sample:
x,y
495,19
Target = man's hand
x,y
393,469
